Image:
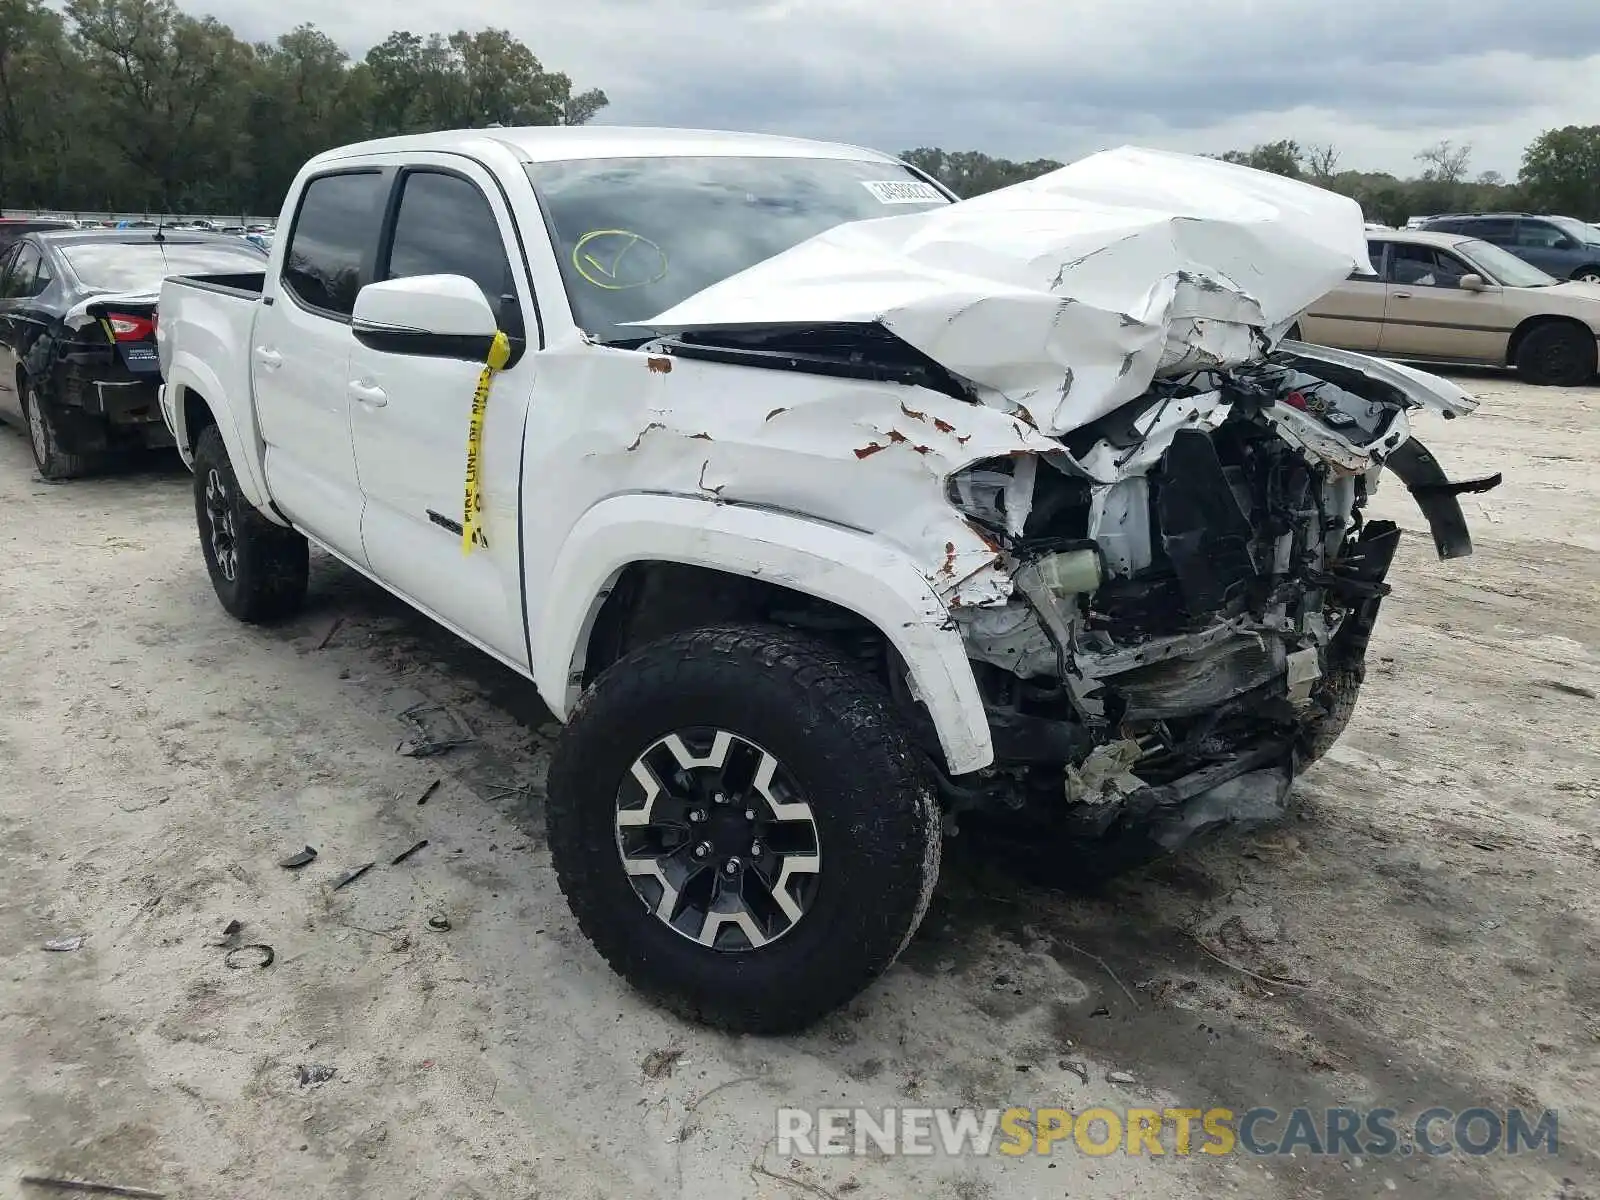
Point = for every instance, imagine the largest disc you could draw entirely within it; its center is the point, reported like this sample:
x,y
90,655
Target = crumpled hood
x,y
1063,297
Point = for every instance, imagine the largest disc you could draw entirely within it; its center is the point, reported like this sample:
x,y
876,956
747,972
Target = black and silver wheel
x,y
1589,274
742,826
1557,354
718,839
258,569
44,437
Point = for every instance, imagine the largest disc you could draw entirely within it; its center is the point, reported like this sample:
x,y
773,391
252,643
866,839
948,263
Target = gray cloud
x,y
1028,78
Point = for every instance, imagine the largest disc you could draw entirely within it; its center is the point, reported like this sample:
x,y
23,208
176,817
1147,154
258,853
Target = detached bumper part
x,y
1436,496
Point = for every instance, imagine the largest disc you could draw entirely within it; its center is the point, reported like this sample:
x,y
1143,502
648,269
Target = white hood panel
x,y
1063,297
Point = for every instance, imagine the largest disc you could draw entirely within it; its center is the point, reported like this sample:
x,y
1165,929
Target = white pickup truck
x,y
820,509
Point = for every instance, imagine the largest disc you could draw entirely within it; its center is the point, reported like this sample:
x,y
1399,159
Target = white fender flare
x,y
189,373
843,566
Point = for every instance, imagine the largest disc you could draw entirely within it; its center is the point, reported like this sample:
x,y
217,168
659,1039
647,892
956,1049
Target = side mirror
x,y
1473,283
435,316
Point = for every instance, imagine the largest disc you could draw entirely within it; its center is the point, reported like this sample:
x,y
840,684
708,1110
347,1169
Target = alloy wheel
x,y
718,840
219,514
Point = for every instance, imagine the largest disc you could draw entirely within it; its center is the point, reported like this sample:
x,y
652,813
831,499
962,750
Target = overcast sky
x,y
1380,79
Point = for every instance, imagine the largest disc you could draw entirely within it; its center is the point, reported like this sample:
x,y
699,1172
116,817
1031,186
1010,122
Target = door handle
x,y
1401,295
270,359
369,394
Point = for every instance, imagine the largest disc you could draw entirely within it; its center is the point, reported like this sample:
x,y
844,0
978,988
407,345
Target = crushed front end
x,y
1195,586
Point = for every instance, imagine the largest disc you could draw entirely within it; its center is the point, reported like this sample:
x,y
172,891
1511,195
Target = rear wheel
x,y
742,826
258,569
1558,355
44,436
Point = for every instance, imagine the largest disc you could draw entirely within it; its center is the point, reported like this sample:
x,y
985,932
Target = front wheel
x,y
1557,355
1589,274
258,569
742,826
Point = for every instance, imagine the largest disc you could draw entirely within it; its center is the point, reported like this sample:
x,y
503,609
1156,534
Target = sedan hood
x,y
1062,298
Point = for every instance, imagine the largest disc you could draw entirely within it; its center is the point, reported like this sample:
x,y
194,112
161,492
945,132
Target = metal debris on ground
x,y
65,944
405,854
354,875
439,728
1081,1070
439,922
315,1074
658,1064
298,859
328,637
428,791
83,1185
257,954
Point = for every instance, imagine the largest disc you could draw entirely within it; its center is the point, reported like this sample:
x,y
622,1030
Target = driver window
x,y
1540,236
7,257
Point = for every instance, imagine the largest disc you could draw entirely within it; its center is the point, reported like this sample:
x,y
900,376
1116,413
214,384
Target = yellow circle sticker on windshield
x,y
619,259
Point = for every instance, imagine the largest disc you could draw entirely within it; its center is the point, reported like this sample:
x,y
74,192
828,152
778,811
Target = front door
x,y
300,356
1430,316
1351,316
410,413
9,404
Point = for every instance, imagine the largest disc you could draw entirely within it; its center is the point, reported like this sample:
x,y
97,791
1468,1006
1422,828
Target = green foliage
x,y
135,104
1561,171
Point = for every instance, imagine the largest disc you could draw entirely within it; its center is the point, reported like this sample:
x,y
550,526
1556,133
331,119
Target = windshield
x,y
1577,229
1503,267
141,266
635,236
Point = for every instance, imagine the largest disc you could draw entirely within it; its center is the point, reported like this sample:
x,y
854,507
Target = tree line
x,y
1560,174
137,105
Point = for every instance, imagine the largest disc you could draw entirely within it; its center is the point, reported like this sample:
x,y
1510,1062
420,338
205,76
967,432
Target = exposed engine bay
x,y
1196,586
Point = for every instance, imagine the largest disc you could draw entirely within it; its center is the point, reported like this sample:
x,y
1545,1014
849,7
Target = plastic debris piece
x,y
257,955
65,944
299,858
315,1074
405,854
1118,1077
439,922
83,1185
353,876
428,791
439,728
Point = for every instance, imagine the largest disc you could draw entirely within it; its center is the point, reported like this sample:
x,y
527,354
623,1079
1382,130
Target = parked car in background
x,y
12,228
1446,298
1559,246
78,358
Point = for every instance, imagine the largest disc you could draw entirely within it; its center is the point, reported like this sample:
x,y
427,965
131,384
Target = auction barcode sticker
x,y
903,191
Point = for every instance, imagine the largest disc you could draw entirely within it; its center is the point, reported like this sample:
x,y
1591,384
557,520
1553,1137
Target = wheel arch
x,y
1529,324
714,562
194,397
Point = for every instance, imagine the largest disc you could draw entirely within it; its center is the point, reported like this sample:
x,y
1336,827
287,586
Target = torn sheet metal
x,y
79,315
1063,297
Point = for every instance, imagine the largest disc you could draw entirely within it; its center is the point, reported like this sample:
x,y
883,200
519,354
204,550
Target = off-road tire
x,y
835,732
1557,355
44,437
269,563
1338,694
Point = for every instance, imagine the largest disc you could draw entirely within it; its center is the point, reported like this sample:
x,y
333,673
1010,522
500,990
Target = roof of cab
x,y
1419,237
554,143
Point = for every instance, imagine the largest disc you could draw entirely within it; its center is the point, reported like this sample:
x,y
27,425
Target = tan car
x,y
1444,298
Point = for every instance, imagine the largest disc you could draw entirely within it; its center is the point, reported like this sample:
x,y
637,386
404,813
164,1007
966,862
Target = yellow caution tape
x,y
472,520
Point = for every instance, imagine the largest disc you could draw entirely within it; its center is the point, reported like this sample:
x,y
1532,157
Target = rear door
x,y
1351,316
1546,246
409,412
26,275
300,355
1430,316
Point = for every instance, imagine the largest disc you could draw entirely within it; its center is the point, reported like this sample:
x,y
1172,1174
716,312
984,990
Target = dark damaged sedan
x,y
78,364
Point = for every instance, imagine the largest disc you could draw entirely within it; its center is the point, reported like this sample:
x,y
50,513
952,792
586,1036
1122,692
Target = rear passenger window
x,y
338,221
445,226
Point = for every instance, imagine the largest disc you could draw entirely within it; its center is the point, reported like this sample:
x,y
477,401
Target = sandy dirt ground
x,y
1435,906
